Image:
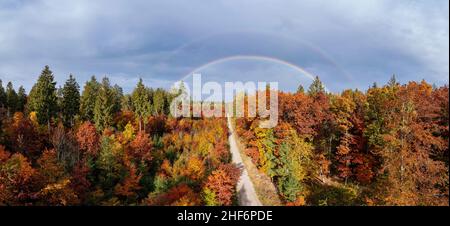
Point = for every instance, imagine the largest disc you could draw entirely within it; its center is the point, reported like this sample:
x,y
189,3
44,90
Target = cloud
x,y
349,43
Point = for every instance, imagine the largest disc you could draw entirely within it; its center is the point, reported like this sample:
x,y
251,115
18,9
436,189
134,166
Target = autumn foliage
x,y
385,146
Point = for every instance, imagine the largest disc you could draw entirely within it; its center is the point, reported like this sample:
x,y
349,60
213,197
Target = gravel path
x,y
246,192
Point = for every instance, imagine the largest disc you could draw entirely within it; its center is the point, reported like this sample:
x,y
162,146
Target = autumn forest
x,y
96,145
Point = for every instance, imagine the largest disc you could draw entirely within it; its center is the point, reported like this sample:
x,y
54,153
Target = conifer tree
x,y
316,87
11,99
159,101
105,105
117,93
43,97
2,95
141,103
300,89
21,99
393,81
71,101
127,103
88,97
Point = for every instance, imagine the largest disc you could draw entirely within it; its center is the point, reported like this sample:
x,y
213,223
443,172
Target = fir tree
x,y
141,103
159,101
21,99
105,105
43,97
88,98
316,87
300,89
11,99
393,81
70,101
2,95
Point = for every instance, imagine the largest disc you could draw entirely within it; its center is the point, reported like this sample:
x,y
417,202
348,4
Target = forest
x,y
59,146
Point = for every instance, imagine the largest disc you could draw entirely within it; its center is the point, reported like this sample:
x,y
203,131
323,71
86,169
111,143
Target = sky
x,y
347,43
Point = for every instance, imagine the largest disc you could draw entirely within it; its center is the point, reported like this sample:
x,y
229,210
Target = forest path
x,y
245,189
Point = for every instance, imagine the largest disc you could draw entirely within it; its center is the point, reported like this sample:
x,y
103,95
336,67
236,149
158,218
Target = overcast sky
x,y
349,44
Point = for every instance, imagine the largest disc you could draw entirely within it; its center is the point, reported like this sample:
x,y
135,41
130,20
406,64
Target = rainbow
x,y
249,57
309,45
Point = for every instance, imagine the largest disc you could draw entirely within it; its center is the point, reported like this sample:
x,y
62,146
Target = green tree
x,y
2,95
43,98
71,101
393,81
316,87
105,105
88,98
11,99
141,103
117,93
21,99
108,165
159,101
300,89
127,103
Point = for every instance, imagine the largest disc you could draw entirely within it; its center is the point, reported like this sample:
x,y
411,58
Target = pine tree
x,y
300,89
105,105
117,93
70,101
393,81
374,85
127,103
43,97
88,97
21,99
59,100
141,103
159,101
316,87
11,99
2,95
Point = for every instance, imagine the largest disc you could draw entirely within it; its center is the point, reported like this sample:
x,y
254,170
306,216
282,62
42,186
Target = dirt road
x,y
246,192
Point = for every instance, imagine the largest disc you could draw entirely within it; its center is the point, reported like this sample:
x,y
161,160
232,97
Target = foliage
x,y
384,146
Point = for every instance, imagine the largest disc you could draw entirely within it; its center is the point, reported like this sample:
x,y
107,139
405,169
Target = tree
x,y
400,135
105,105
49,167
21,99
316,87
24,137
141,103
71,100
140,147
300,89
17,178
88,97
11,99
80,182
130,185
2,95
88,139
65,146
108,164
159,101
221,184
117,92
393,81
43,97
56,189
127,103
